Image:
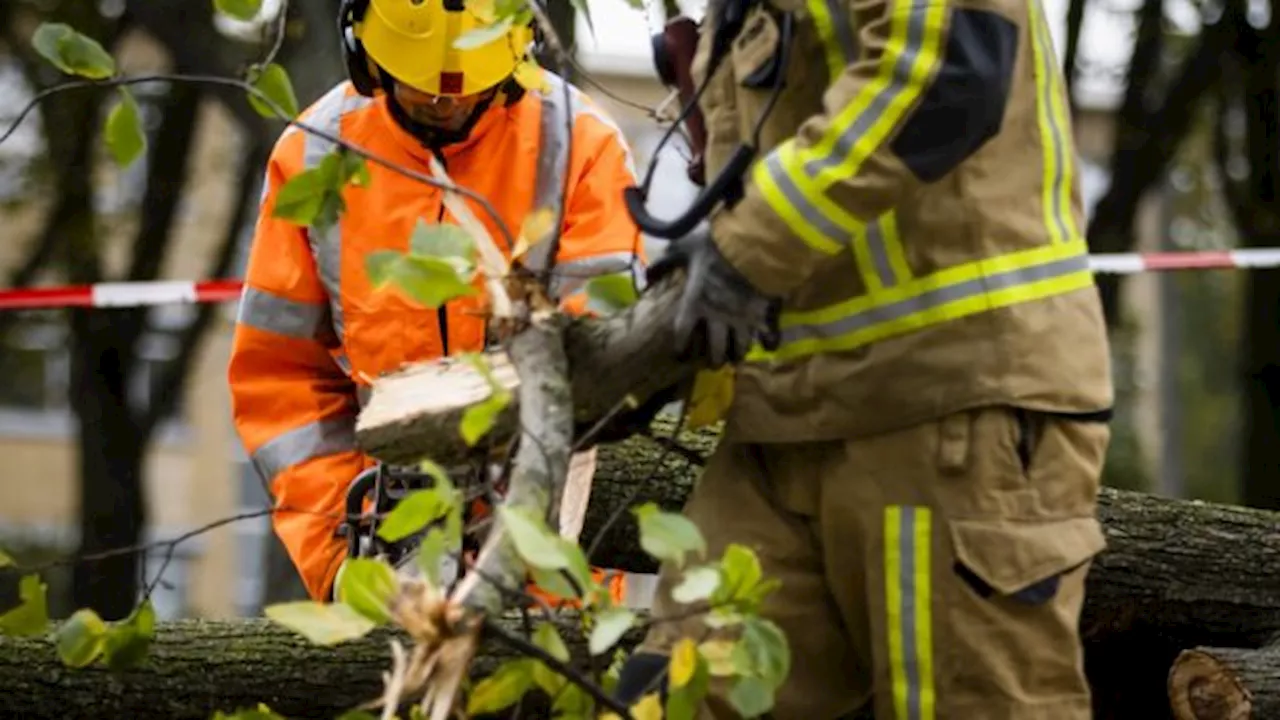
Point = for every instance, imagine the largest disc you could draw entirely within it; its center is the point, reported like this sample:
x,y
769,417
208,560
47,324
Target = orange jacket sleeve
x,y
293,407
599,237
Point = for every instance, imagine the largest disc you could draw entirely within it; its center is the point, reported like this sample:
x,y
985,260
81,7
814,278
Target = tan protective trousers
x,y
937,571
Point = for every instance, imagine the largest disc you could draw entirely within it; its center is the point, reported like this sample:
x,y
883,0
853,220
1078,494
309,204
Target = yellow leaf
x,y
719,656
483,10
530,75
712,395
536,228
684,660
649,708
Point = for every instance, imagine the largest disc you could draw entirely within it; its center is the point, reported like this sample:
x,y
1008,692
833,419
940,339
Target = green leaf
x,y
81,639
430,281
321,623
245,10
534,541
124,136
766,652
72,52
503,688
667,536
483,35
303,198
751,697
698,584
442,240
129,640
355,170
480,418
6,560
31,617
379,265
610,626
572,702
547,637
274,83
430,552
741,579
368,585
610,293
416,511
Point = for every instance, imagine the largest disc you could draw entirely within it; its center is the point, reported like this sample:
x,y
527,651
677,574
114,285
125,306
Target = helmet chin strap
x,y
431,136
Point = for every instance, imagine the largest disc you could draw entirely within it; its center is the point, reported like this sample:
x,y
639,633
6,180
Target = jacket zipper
x,y
442,312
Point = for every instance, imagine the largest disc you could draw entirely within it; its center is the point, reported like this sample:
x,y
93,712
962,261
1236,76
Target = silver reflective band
x,y
935,298
327,436
876,244
802,204
568,277
552,165
270,312
327,247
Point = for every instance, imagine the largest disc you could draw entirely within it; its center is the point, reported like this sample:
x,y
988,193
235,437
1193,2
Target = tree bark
x,y
195,668
1226,684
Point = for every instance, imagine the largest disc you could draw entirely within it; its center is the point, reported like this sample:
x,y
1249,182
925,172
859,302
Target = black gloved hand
x,y
720,311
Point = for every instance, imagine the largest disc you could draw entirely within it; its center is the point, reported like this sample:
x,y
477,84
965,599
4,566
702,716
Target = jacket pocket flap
x,y
1010,556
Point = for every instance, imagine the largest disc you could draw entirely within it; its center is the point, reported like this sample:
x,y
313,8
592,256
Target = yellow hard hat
x,y
413,40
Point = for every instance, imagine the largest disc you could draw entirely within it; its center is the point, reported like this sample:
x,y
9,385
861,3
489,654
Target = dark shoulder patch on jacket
x,y
964,105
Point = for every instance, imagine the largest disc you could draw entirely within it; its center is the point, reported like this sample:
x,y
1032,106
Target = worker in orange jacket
x,y
312,330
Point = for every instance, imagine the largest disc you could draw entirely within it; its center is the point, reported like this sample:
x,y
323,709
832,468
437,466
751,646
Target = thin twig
x,y
282,115
527,647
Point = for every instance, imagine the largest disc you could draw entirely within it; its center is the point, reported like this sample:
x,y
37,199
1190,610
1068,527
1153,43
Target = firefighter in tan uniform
x,y
916,455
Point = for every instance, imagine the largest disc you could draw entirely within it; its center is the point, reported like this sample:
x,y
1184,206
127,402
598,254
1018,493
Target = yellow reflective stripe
x,y
1062,122
893,246
955,275
910,56
833,26
908,610
871,279
945,295
1054,185
811,216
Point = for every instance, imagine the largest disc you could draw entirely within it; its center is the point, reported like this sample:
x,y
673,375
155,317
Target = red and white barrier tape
x,y
168,292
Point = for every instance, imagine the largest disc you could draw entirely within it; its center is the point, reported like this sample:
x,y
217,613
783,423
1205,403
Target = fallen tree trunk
x,y
195,668
1226,684
1176,575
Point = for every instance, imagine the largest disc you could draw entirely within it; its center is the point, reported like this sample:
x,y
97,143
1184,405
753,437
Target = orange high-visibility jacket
x,y
311,330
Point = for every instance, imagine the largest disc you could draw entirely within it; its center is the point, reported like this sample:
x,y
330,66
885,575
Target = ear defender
x,y
350,14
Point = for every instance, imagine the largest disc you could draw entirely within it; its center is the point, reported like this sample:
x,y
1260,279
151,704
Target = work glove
x,y
720,312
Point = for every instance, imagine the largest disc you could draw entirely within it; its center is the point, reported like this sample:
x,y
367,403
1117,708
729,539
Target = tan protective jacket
x,y
915,200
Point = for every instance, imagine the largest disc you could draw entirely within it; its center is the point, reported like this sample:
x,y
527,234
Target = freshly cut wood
x,y
1210,683
415,412
196,668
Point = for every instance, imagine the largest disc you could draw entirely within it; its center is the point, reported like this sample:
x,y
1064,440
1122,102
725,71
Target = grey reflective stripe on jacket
x,y
555,144
327,436
267,311
326,243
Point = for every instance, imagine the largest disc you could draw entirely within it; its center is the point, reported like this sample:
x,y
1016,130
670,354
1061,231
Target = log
x,y
1213,683
1177,576
197,667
